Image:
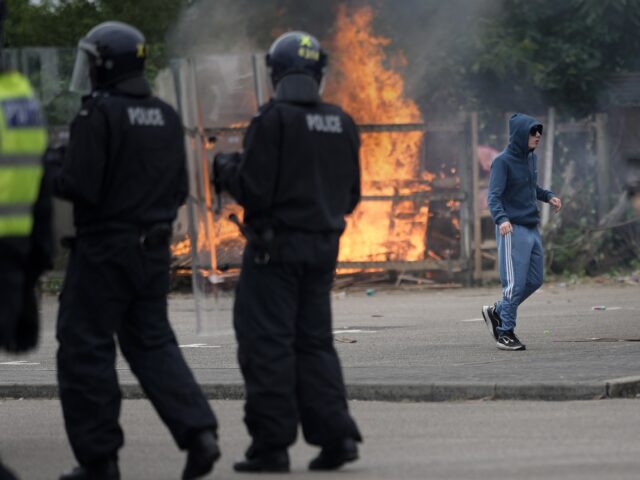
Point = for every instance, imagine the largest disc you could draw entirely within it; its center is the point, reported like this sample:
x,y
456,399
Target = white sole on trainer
x,y
510,349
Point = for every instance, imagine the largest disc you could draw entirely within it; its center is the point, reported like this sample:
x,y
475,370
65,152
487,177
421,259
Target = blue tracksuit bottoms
x,y
521,270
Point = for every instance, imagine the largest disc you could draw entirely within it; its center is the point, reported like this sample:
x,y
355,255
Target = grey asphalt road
x,y
477,440
432,339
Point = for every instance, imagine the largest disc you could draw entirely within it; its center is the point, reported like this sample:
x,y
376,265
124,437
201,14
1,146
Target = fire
x,y
218,237
381,229
225,234
181,248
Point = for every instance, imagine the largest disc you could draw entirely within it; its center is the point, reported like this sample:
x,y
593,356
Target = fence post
x,y
602,169
475,179
549,141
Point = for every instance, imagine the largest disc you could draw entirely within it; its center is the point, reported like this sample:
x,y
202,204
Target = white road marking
x,y
352,330
19,362
199,345
468,320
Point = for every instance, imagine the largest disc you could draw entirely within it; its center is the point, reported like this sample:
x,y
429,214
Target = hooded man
x,y
513,202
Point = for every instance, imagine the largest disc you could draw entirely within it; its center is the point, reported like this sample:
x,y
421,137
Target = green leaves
x,y
565,50
62,23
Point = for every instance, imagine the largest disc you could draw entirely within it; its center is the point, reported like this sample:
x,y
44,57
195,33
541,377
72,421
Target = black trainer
x,y
492,319
524,347
6,474
508,341
334,456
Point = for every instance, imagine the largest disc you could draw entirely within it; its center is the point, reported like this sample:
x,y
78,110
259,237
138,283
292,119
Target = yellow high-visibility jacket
x,y
23,139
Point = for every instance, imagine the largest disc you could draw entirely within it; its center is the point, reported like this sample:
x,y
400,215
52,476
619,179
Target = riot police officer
x,y
124,172
26,239
296,179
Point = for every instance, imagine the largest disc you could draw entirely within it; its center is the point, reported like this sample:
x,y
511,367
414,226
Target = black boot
x,y
334,456
6,474
203,453
273,461
107,470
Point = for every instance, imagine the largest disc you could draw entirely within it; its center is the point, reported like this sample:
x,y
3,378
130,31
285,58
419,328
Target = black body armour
x,y
299,169
126,160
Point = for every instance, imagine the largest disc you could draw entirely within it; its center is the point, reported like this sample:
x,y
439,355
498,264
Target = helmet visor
x,y
80,78
80,81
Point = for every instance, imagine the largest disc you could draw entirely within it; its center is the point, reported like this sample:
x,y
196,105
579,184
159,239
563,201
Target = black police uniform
x,y
125,174
297,178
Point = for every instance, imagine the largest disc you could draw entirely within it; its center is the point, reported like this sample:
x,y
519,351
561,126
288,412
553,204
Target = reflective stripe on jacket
x,y
23,139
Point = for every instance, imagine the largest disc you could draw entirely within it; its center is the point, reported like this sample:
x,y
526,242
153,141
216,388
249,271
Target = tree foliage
x,y
62,23
558,52
48,24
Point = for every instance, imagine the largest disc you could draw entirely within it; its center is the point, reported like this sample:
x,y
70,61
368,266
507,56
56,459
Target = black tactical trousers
x,y
282,319
19,312
19,304
117,287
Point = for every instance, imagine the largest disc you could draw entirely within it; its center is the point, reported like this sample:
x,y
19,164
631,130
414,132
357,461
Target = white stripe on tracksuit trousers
x,y
521,262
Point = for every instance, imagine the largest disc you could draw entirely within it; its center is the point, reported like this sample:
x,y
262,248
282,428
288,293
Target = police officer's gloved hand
x,y
224,164
54,156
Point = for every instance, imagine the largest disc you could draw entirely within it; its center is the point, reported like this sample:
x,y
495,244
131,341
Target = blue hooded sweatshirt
x,y
513,183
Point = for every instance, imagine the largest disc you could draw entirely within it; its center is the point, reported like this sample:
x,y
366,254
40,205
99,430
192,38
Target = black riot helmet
x,y
296,52
109,53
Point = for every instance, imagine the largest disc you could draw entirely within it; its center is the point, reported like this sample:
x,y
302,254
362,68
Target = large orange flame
x,y
380,229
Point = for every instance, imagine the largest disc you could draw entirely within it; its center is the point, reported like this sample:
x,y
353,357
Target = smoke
x,y
245,26
435,37
438,39
218,26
